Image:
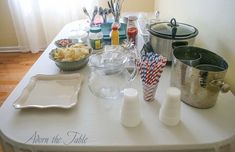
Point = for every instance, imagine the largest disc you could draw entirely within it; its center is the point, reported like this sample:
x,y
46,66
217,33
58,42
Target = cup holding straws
x,y
150,66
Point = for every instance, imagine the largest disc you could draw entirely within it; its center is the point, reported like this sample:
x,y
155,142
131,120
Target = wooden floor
x,y
13,66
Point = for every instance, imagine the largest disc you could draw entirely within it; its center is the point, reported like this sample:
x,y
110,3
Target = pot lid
x,y
173,30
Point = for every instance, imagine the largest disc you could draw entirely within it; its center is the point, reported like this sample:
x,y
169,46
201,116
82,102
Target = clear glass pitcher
x,y
110,74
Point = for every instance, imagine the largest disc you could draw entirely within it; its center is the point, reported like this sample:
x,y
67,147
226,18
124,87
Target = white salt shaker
x,y
130,111
170,110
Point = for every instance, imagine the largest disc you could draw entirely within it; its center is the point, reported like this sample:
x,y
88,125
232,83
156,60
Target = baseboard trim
x,y
11,49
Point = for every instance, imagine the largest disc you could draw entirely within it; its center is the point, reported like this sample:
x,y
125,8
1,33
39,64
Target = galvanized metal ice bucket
x,y
200,82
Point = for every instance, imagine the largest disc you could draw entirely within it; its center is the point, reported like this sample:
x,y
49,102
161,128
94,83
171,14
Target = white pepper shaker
x,y
130,111
170,110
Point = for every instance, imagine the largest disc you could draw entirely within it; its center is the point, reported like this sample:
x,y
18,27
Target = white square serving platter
x,y
50,91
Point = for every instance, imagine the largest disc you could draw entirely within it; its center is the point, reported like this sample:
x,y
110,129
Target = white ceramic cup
x,y
130,111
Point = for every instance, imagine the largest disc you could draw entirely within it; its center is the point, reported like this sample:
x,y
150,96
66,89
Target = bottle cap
x,y
95,29
114,27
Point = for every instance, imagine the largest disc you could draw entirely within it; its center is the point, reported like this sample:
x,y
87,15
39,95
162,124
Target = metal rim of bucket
x,y
207,57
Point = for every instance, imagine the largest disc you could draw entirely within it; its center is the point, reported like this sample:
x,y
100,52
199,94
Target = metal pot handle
x,y
173,22
174,25
224,87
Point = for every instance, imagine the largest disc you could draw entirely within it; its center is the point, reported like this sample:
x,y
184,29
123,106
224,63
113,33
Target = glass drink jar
x,y
109,74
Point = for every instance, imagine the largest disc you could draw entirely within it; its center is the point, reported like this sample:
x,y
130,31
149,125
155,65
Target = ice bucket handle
x,y
224,87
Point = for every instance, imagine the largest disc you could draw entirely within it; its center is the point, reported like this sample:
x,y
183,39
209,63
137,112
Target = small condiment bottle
x,y
132,33
115,35
132,29
96,38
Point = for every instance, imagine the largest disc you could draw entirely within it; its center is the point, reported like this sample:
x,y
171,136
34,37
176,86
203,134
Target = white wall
x,y
134,5
215,20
